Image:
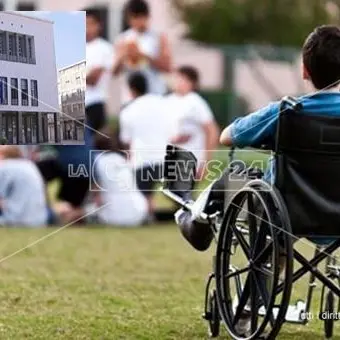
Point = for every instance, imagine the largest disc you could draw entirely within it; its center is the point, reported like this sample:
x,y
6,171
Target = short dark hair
x,y
321,56
94,13
138,83
137,8
192,74
107,139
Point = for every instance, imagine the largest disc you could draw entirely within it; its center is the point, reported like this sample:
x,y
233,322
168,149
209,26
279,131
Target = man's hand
x,y
180,139
120,57
225,138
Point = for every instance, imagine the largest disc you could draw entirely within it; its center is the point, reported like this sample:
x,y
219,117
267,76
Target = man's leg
x,y
147,178
74,190
199,234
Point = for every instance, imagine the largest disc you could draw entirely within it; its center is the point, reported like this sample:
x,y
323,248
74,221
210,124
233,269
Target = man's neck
x,y
91,39
183,94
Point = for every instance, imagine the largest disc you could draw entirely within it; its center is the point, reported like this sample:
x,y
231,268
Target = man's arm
x,y
121,54
103,64
252,129
211,132
163,61
94,75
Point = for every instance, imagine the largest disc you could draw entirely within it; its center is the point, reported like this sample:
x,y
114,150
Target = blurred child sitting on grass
x,y
22,190
122,202
116,200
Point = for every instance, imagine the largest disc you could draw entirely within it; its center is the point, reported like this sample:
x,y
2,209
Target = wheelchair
x,y
255,229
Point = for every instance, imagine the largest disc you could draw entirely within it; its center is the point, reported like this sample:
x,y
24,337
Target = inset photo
x,y
42,80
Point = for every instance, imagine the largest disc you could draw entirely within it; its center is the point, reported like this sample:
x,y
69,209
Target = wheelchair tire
x,y
262,270
214,316
329,309
276,203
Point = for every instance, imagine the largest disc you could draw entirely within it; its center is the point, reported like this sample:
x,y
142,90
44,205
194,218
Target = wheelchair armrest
x,y
255,173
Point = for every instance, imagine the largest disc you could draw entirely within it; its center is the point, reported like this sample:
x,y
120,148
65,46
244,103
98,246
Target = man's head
x,y
93,24
138,84
138,13
321,57
186,80
10,152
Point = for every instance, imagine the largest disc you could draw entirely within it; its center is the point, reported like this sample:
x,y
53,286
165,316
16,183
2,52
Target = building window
x,y
17,47
12,46
24,92
3,91
14,91
34,92
23,6
3,48
31,52
22,50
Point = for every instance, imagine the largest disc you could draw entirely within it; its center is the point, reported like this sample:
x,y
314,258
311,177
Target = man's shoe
x,y
198,234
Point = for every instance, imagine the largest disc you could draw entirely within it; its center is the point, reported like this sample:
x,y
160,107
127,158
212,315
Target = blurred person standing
x,y
99,62
22,190
197,130
145,128
141,49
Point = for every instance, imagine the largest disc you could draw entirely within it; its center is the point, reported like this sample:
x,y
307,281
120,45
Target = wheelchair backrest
x,y
308,171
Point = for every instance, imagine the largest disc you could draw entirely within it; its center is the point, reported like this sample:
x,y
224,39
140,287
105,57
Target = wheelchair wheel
x,y
284,233
213,316
247,279
329,310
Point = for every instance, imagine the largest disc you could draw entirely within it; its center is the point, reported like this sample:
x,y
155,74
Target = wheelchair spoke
x,y
237,272
264,296
264,271
264,253
261,237
254,303
251,215
244,245
240,309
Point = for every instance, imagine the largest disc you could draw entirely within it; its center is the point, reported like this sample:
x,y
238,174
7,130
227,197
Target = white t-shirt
x,y
22,192
147,127
99,53
149,44
191,112
125,204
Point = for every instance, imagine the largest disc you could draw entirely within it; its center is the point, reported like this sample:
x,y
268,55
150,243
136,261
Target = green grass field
x,y
109,284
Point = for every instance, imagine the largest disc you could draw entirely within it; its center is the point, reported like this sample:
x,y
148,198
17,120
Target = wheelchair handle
x,y
294,103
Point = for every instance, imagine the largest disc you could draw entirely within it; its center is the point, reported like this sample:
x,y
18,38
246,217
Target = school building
x,y
28,81
72,86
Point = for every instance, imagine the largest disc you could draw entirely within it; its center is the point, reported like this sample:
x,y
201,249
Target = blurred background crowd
x,y
158,72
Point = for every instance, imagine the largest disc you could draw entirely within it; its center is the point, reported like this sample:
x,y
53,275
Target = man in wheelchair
x,y
321,67
305,198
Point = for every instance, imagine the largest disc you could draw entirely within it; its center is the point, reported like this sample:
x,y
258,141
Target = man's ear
x,y
305,73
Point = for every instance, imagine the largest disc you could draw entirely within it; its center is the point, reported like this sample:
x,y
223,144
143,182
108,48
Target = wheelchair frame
x,y
230,233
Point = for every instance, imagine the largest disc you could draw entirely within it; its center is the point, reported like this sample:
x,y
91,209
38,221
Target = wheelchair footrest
x,y
295,313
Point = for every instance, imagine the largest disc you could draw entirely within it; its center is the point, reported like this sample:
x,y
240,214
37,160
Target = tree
x,y
277,22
